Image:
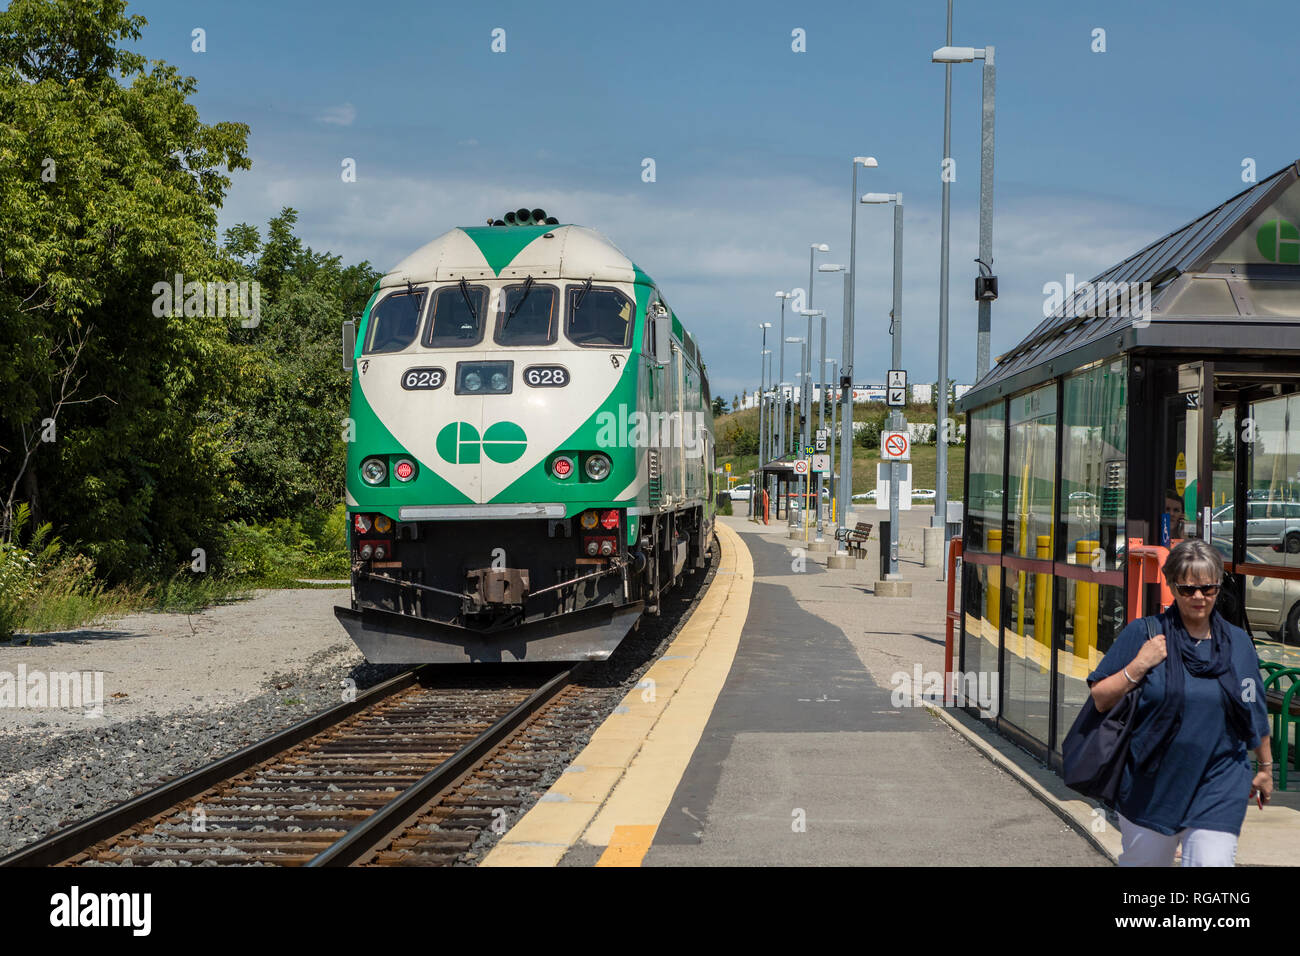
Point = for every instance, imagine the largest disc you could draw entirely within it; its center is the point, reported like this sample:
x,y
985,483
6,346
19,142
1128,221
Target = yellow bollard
x,y
993,597
1082,557
1043,605
1086,604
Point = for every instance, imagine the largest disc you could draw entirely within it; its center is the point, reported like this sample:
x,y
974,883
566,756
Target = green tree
x,y
111,186
285,420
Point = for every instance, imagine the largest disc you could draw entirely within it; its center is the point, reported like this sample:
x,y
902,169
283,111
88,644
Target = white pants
x,y
1143,847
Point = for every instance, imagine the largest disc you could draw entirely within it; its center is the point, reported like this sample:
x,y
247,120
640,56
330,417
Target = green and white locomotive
x,y
532,455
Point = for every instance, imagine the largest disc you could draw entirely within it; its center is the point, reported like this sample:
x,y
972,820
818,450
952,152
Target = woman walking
x,y
1188,777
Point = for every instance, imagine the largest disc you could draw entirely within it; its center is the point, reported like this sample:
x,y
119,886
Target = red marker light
x,y
610,520
562,467
404,470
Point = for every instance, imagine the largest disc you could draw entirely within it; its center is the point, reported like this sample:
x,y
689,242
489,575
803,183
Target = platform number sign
x,y
896,390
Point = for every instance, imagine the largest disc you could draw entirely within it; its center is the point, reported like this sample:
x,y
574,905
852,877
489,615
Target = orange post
x,y
952,616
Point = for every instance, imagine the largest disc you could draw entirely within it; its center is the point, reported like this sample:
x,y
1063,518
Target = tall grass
x,y
46,587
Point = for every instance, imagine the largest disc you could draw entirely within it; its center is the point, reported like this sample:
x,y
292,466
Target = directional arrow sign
x,y
896,397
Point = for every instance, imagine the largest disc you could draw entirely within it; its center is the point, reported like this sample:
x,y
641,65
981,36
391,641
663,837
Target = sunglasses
x,y
1187,590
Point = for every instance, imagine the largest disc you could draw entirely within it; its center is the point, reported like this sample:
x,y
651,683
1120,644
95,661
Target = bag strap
x,y
1150,621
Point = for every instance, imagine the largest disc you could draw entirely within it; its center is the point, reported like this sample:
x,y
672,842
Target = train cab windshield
x,y
394,321
458,317
599,317
526,315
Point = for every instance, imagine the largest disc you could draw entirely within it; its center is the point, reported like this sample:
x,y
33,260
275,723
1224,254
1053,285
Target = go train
x,y
531,463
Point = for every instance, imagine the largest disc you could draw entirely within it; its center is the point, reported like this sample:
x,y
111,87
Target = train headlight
x,y
499,382
404,469
562,467
374,471
597,467
473,381
589,520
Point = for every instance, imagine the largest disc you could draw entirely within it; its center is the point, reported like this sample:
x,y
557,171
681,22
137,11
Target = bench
x,y
1284,708
855,539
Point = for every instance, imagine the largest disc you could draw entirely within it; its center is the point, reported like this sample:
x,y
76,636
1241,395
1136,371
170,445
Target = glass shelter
x,y
1159,401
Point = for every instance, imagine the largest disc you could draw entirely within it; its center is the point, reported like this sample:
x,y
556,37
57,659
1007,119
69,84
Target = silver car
x,y
1269,523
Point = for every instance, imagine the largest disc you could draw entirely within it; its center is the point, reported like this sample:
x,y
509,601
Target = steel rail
x,y
380,828
65,844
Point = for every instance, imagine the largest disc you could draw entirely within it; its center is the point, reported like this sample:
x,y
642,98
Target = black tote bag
x,y
1096,748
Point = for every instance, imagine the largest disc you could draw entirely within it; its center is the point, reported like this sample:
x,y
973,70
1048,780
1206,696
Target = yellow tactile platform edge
x,y
619,786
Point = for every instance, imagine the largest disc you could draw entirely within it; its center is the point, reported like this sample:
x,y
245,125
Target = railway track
x,y
366,776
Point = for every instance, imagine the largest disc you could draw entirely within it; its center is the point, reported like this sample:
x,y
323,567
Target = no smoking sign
x,y
894,446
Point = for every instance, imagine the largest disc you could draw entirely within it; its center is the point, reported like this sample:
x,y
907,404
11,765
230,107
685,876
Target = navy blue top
x,y
1203,780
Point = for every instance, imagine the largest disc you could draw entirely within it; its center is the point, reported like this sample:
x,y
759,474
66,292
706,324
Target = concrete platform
x,y
782,730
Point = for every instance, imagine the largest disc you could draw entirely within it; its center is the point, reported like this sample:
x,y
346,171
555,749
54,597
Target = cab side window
x,y
600,318
394,321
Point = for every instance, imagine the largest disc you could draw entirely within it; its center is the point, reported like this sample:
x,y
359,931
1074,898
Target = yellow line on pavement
x,y
619,786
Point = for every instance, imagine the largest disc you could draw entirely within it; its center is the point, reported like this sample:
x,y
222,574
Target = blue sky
x,y
1097,153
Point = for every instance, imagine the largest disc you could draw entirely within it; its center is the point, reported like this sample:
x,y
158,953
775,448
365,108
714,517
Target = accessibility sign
x,y
895,446
896,390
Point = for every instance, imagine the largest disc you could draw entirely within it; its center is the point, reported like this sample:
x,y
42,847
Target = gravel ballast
x,y
58,767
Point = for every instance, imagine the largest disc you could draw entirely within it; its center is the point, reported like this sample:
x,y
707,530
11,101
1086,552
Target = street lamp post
x,y
762,389
986,291
794,340
830,444
846,359
781,374
939,519
896,420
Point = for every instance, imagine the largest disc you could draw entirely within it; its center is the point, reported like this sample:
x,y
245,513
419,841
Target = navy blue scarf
x,y
1162,725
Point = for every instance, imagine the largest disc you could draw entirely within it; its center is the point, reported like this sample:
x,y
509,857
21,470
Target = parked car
x,y
741,492
925,494
1272,604
1269,523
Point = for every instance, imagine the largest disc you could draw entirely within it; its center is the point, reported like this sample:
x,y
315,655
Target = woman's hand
x,y
1151,654
1263,785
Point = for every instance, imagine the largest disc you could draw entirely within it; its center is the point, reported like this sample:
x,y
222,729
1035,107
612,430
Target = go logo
x,y
460,444
1279,241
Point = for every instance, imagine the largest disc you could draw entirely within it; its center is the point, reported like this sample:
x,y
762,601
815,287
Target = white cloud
x,y
339,115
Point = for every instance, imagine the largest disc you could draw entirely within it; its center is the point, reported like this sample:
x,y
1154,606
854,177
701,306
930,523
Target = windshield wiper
x,y
577,301
464,294
528,286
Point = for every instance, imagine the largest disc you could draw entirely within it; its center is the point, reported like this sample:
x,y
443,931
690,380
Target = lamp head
x,y
868,161
953,54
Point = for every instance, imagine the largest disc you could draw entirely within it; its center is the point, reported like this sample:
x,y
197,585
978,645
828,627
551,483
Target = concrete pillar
x,y
931,547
